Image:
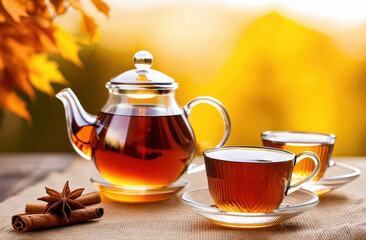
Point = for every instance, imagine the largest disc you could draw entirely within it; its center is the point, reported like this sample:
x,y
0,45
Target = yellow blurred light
x,y
301,67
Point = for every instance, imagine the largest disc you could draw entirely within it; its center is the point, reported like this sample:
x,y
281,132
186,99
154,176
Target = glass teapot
x,y
141,138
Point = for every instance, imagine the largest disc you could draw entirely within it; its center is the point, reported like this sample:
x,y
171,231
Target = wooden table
x,y
18,171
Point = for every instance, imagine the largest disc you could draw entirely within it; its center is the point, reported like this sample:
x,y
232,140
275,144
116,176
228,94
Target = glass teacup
x,y
253,179
320,143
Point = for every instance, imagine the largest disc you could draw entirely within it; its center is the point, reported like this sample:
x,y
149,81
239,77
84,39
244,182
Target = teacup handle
x,y
225,115
295,186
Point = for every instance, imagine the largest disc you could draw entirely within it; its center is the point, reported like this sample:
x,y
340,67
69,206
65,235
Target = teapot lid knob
x,y
143,74
143,60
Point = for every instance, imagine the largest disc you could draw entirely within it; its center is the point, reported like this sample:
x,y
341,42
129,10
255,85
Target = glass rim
x,y
141,88
331,140
142,85
269,149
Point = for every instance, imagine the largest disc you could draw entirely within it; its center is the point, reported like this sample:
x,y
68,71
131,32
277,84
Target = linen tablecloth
x,y
340,214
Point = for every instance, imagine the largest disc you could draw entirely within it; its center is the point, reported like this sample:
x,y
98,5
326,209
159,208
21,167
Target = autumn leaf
x,y
75,4
59,6
44,72
27,35
20,80
101,6
15,8
10,101
89,27
47,40
17,74
1,63
68,47
2,16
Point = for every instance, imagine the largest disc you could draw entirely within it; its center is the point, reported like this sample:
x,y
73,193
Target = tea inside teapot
x,y
150,150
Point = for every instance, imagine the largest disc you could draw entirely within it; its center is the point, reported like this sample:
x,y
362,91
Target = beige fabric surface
x,y
341,214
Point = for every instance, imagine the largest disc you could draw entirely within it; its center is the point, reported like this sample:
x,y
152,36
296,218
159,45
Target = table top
x,y
341,214
18,171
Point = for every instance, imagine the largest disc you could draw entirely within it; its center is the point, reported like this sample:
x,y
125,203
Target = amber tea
x,y
142,151
138,151
296,142
81,138
249,179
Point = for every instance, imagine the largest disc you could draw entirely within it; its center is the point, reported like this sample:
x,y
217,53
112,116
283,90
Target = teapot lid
x,y
142,74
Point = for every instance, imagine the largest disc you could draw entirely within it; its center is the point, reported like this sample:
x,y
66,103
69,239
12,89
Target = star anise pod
x,y
63,202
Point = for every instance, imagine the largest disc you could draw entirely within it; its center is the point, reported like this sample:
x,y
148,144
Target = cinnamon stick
x,y
29,222
86,200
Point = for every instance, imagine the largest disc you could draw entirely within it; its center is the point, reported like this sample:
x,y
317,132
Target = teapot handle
x,y
225,115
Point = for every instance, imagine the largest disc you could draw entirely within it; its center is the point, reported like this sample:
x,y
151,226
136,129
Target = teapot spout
x,y
80,124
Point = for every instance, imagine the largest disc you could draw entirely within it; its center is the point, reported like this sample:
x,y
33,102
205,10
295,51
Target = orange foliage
x,y
27,33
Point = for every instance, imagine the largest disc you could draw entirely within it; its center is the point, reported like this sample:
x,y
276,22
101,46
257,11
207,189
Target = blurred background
x,y
288,65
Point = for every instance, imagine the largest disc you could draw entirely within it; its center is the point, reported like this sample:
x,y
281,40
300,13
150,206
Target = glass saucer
x,y
137,195
335,176
294,204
